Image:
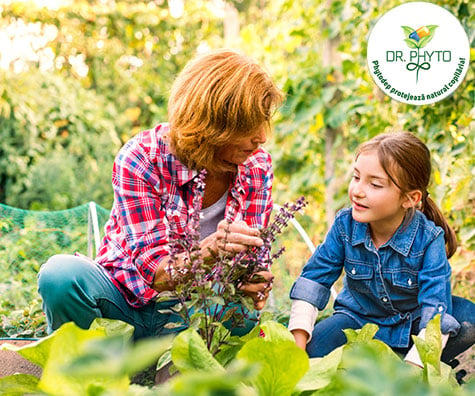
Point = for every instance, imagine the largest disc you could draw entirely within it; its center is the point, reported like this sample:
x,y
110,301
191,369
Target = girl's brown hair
x,y
217,97
406,161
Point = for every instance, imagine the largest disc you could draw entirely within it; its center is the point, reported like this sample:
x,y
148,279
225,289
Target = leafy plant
x,y
97,361
267,362
207,291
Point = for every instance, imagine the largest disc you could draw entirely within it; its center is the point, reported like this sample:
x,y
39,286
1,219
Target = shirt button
x,y
353,271
441,309
409,282
384,299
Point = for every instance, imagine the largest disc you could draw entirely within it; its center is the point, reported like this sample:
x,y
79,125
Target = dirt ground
x,y
12,363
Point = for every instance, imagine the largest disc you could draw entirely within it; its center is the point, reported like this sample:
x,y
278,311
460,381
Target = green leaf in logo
x,y
425,40
407,30
411,43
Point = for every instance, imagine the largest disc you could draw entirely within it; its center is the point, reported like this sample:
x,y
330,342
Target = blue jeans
x,y
77,289
328,334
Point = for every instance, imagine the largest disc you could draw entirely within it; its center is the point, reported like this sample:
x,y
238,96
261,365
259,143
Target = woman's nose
x,y
260,136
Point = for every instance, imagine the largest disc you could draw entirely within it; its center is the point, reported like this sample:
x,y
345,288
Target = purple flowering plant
x,y
207,290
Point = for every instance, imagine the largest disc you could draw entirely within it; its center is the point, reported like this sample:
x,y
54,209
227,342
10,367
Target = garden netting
x,y
27,239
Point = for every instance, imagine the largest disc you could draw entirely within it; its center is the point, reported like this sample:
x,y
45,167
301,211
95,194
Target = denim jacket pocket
x,y
359,276
405,280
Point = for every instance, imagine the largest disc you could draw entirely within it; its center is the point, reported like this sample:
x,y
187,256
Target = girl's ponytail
x,y
432,212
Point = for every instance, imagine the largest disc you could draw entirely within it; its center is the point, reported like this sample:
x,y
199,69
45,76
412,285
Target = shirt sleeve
x,y
321,271
302,316
143,222
435,295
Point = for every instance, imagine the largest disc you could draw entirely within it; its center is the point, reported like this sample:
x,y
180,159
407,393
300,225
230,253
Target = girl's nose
x,y
358,191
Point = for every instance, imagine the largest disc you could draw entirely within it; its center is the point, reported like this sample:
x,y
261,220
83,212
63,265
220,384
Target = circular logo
x,y
418,53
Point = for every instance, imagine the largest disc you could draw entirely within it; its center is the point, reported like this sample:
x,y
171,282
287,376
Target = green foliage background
x,y
60,130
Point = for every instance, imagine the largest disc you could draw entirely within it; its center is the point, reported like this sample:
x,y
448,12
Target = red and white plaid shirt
x,y
153,194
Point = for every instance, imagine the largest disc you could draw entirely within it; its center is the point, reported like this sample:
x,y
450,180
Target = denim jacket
x,y
404,280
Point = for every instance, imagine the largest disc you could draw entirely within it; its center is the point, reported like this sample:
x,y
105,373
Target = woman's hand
x,y
259,292
231,238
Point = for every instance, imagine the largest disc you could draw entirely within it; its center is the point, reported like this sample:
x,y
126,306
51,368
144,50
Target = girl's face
x,y
241,148
374,197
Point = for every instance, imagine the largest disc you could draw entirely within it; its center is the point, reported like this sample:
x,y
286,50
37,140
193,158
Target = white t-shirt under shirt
x,y
212,215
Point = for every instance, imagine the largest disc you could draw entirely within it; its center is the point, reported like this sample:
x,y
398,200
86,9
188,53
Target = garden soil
x,y
12,363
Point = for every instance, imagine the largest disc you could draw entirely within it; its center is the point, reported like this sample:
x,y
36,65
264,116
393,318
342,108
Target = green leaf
x,y
68,343
372,368
37,352
321,371
411,43
407,30
229,349
282,364
144,353
113,327
338,114
173,325
218,300
432,29
19,385
366,333
189,353
425,40
229,314
273,331
164,359
430,348
230,382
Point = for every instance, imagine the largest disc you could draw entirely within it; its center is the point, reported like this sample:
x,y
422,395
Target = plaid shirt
x,y
153,194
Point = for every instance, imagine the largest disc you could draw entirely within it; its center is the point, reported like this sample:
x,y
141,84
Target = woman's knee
x,y
58,275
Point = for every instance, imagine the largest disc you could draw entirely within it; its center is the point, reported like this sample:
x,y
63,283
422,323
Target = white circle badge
x,y
418,53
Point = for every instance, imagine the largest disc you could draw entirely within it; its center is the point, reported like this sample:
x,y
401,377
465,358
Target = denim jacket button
x,y
409,282
384,299
353,271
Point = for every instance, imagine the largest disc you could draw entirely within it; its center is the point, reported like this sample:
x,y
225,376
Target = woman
x,y
219,114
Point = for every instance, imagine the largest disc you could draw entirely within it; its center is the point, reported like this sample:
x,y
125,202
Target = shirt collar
x,y
179,173
401,241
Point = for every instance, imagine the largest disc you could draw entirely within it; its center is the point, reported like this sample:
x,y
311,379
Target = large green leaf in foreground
x,y
281,362
85,362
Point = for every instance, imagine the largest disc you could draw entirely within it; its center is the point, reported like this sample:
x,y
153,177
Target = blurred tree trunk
x,y
331,61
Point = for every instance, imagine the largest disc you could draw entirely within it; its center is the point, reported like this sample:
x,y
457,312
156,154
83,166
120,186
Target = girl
x,y
393,244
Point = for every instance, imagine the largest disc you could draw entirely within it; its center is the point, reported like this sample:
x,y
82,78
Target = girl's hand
x,y
231,238
259,292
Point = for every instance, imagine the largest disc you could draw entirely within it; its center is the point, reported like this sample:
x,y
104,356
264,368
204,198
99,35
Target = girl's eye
x,y
356,177
376,185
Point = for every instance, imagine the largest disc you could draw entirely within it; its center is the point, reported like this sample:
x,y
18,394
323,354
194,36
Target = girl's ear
x,y
412,199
